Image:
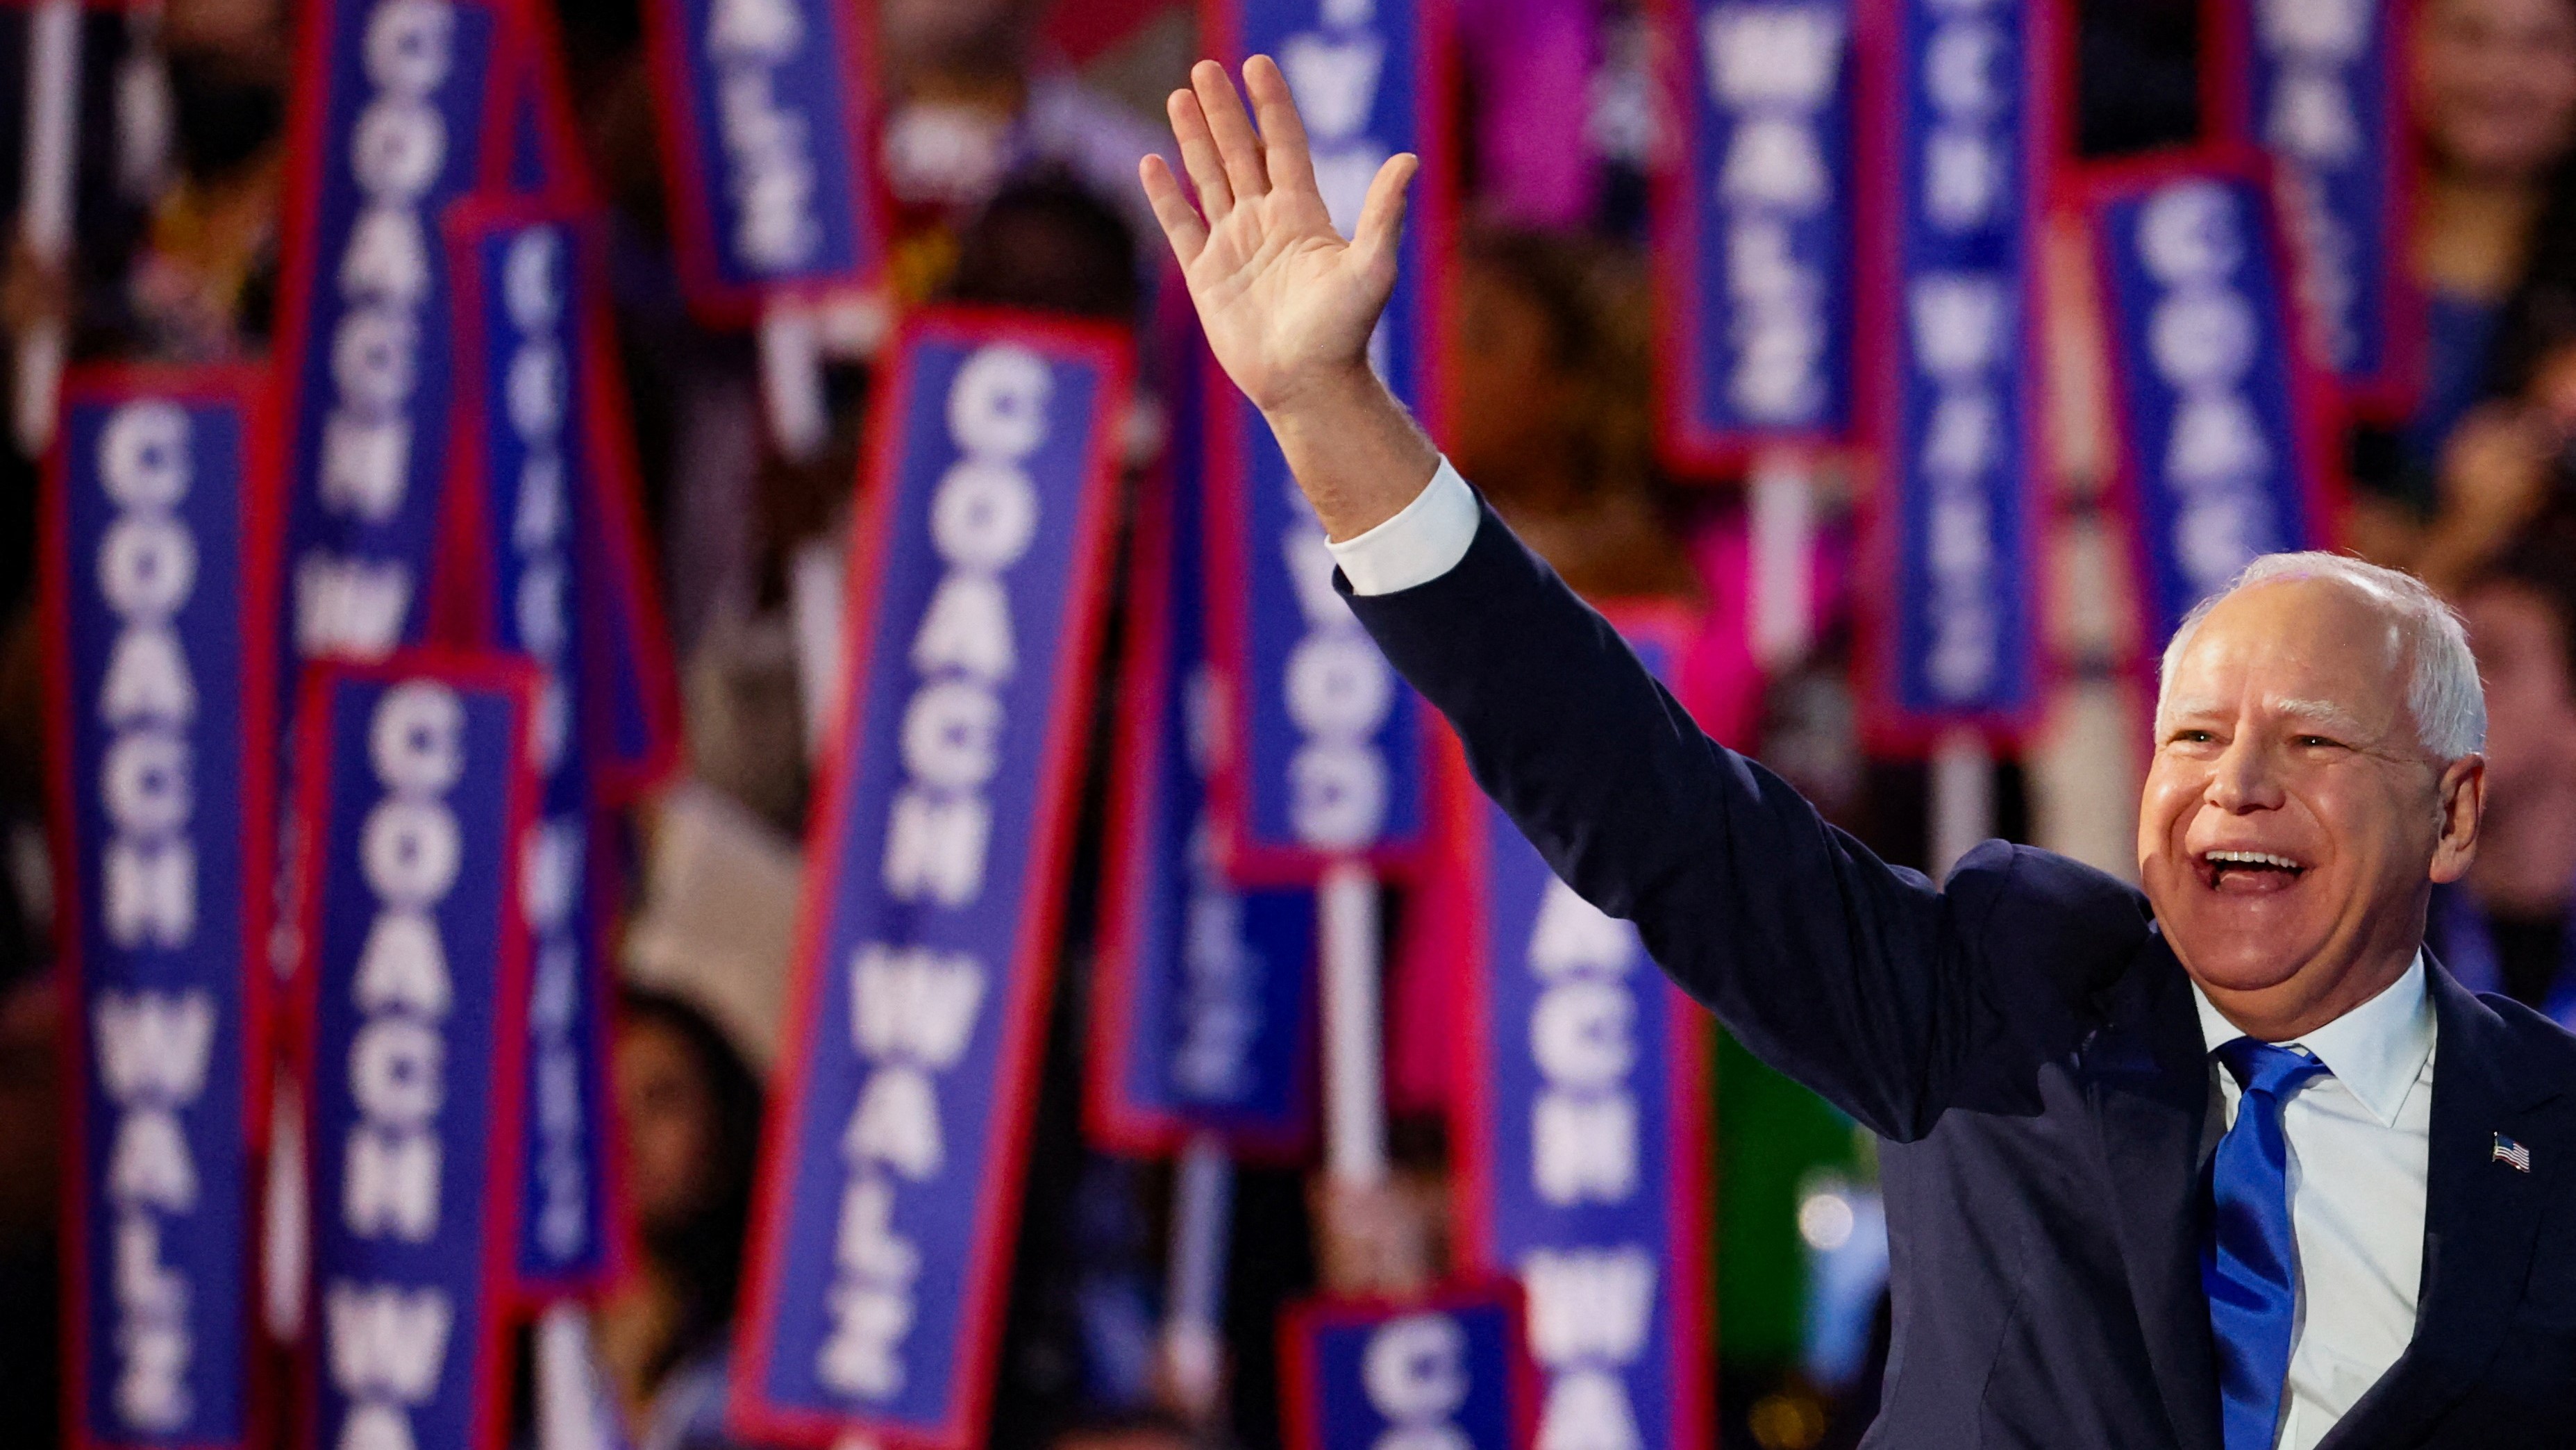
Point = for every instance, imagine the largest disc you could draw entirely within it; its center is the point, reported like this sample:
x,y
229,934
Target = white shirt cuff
x,y
1425,539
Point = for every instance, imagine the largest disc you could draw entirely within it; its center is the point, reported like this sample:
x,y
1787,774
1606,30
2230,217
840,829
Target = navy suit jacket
x,y
2023,1040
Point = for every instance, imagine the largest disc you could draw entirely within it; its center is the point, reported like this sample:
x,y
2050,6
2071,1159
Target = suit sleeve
x,y
1851,976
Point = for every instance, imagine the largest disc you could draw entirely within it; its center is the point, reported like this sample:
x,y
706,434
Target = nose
x,y
2244,779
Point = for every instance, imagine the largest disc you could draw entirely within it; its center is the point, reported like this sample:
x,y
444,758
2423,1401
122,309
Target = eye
x,y
2192,737
2317,742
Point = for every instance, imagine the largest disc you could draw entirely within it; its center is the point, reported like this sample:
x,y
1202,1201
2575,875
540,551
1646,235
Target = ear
x,y
2463,797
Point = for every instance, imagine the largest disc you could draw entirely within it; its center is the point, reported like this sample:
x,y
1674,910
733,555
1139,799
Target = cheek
x,y
2165,809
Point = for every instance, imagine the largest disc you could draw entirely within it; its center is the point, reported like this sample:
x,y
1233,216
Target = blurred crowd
x,y
1009,144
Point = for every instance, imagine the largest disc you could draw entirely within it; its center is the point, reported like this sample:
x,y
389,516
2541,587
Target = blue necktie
x,y
2248,1270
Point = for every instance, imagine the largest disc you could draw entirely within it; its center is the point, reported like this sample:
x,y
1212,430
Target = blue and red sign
x,y
418,784
635,742
524,272
2320,87
765,110
1323,755
2225,451
889,1186
1581,1134
1968,127
1449,1371
159,574
395,111
1203,994
1755,229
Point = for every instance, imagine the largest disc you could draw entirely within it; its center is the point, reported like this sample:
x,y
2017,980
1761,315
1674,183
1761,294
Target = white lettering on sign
x,y
2316,51
1774,71
1337,688
1221,978
150,1047
1960,328
1590,1302
537,404
385,1343
767,145
346,604
1961,325
2202,336
1414,1371
913,1010
1221,1009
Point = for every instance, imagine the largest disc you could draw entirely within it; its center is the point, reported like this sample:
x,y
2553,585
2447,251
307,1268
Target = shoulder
x,y
2542,1050
2051,913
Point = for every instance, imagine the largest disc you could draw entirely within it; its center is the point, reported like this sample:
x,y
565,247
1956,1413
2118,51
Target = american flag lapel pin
x,y
2512,1154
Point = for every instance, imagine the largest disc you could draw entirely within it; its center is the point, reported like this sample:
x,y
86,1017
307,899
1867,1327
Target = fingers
x,y
1283,131
1381,224
1181,224
1198,153
1236,145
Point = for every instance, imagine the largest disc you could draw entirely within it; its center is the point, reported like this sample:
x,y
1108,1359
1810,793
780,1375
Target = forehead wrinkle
x,y
2318,712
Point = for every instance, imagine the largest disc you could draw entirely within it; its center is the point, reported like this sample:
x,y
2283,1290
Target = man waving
x,y
2225,1164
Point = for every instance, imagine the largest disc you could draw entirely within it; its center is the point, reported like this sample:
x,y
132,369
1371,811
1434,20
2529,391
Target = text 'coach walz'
x,y
2231,1164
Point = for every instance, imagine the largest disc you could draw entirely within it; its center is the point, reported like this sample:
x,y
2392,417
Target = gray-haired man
x,y
2164,1168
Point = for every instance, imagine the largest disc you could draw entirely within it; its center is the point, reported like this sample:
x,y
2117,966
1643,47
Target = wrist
x,y
1325,397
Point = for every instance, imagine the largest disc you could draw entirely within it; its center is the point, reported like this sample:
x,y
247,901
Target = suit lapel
x,y
2481,1218
2147,1077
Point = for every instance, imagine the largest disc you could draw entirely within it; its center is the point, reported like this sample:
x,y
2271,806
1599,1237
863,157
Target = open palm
x,y
1286,303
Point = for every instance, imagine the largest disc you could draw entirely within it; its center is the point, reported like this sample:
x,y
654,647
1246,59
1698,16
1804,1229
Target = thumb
x,y
1381,224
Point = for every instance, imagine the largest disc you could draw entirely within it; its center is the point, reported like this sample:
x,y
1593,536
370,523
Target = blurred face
x,y
249,37
2291,826
1510,394
2497,81
670,1123
946,32
2531,702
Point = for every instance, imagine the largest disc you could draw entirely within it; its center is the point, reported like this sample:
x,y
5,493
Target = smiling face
x,y
2292,825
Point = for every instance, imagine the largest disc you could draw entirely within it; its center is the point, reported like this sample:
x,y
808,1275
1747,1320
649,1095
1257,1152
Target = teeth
x,y
2252,858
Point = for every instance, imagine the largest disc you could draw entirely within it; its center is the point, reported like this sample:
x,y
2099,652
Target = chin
x,y
2239,957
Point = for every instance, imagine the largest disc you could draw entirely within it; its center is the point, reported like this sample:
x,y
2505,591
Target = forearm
x,y
1355,451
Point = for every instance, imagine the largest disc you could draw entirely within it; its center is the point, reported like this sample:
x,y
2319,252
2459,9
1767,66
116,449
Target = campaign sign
x,y
521,271
1449,1371
160,560
417,778
1324,745
393,112
1967,125
636,734
765,109
1754,229
890,1176
2320,87
2224,452
1581,1133
1201,1019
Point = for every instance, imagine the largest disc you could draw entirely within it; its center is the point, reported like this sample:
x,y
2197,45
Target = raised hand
x,y
1286,303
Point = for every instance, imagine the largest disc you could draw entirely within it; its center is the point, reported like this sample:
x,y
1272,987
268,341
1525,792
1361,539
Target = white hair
x,y
2443,695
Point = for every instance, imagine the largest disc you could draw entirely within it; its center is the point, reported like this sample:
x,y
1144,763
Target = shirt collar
x,y
2376,1050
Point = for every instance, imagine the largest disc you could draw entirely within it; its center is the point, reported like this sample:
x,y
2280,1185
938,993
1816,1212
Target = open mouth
x,y
2249,870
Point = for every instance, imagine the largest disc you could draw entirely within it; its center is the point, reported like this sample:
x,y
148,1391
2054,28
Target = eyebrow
x,y
2316,712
